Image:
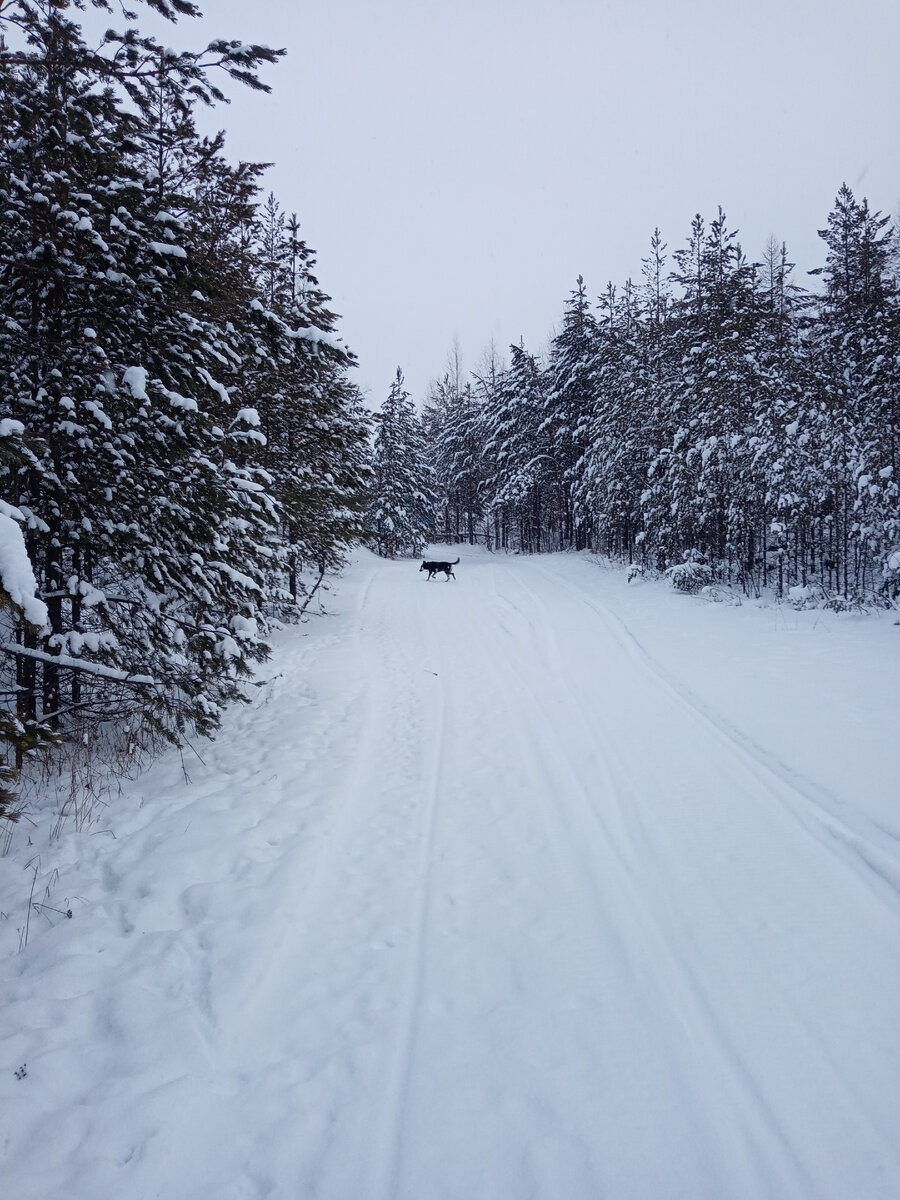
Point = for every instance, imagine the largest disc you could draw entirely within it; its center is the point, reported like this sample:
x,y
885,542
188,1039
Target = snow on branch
x,y
16,573
76,664
309,333
169,249
305,333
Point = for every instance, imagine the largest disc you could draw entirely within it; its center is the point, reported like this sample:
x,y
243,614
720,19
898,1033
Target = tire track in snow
x,y
315,1057
816,811
330,843
860,1112
691,1001
359,888
270,967
389,1156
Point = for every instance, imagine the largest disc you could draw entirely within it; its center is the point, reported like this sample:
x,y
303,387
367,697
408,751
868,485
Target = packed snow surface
x,y
528,885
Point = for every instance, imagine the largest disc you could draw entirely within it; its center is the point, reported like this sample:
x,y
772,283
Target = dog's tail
x,y
453,564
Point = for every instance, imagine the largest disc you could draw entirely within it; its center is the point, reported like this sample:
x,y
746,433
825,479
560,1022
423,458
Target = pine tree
x,y
854,370
777,493
714,323
452,427
401,515
570,406
312,417
614,472
524,484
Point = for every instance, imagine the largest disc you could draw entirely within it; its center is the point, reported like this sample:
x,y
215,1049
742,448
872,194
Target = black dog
x,y
433,567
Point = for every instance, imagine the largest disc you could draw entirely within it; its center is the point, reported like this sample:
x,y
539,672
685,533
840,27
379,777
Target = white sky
x,y
457,163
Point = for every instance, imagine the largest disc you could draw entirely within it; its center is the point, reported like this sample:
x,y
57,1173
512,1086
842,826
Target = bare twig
x,y
23,941
313,591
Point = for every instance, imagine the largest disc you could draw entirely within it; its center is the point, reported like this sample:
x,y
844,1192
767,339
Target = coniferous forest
x,y
715,421
183,454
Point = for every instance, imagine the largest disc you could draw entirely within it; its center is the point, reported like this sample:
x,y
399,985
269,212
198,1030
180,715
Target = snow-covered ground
x,y
533,884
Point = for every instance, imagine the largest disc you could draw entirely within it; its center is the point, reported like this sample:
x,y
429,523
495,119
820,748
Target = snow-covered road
x,y
525,885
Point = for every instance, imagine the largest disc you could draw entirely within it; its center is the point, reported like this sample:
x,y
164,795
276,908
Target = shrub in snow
x,y
855,601
721,595
805,597
692,575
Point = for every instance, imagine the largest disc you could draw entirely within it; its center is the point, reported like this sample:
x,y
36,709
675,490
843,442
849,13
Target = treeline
x,y
182,453
715,420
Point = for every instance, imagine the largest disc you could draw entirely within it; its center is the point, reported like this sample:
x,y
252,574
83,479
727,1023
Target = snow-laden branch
x,y
16,573
76,664
305,333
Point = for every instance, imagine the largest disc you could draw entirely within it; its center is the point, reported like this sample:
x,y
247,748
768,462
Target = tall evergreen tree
x,y
312,417
452,429
614,467
570,404
401,515
524,487
854,372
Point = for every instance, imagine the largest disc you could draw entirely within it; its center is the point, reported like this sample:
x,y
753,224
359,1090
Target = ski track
x,y
398,1087
497,907
695,1013
624,832
817,810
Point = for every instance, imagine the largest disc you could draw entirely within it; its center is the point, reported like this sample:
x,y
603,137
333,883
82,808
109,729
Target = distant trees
x,y
401,514
453,439
178,435
716,415
522,487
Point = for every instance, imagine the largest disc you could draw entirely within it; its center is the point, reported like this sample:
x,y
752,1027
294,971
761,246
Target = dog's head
x,y
423,567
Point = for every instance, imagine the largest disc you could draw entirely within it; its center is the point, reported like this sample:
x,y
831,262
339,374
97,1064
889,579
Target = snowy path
x,y
483,899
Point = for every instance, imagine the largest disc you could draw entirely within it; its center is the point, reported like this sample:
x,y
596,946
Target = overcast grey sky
x,y
457,163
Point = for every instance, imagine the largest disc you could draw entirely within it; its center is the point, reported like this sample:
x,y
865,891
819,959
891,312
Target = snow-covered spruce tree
x,y
569,407
714,323
632,427
613,467
315,425
452,427
401,515
486,382
147,532
524,486
774,486
854,375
